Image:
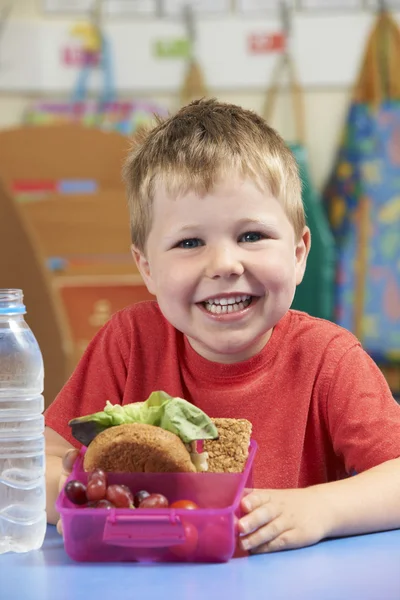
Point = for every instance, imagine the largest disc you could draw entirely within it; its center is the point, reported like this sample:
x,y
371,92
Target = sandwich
x,y
162,434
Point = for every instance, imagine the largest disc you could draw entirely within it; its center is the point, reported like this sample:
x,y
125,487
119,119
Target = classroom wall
x,y
325,108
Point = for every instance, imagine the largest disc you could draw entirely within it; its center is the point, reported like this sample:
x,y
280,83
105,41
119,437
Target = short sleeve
x,y
99,376
363,417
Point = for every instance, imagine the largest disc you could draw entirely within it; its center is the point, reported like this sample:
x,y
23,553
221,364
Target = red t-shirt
x,y
319,406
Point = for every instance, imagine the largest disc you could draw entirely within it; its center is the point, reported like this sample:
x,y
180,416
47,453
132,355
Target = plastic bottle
x,y
22,456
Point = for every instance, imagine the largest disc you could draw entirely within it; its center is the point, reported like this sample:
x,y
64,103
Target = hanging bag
x,y
363,200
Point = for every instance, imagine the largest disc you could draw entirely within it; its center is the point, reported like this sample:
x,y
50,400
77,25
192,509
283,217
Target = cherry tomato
x,y
188,504
187,548
216,541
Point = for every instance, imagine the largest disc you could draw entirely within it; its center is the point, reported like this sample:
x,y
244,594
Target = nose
x,y
224,261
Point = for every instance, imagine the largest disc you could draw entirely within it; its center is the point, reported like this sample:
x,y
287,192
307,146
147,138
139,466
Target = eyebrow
x,y
259,222
177,233
188,228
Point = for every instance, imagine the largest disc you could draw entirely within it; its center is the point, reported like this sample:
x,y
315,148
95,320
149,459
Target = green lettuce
x,y
162,410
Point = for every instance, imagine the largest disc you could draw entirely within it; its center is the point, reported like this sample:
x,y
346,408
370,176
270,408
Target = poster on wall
x,y
128,8
330,4
172,8
109,7
253,7
67,6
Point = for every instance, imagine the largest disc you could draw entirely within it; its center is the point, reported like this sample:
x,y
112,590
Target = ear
x,y
144,268
302,250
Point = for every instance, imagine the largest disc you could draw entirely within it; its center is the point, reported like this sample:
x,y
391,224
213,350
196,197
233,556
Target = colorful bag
x,y
363,200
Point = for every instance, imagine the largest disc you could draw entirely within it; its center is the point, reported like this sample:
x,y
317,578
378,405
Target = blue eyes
x,y
247,238
190,243
251,236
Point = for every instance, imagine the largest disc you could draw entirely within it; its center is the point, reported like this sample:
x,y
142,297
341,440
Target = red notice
x,y
263,43
74,56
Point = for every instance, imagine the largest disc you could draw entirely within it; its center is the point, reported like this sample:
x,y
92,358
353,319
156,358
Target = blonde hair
x,y
194,148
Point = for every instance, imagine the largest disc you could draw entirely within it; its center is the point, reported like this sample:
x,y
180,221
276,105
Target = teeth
x,y
226,301
221,309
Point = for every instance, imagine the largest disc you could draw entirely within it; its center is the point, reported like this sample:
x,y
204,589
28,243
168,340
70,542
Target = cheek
x,y
174,293
172,279
279,270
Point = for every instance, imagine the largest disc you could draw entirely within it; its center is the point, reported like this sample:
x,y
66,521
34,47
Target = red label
x,y
73,56
263,43
34,185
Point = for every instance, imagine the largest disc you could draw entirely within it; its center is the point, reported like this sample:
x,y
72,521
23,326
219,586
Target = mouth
x,y
223,306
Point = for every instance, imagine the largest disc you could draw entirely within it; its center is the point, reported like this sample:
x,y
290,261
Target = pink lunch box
x,y
207,534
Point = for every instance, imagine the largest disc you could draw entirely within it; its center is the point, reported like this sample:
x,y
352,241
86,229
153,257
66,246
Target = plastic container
x,y
207,534
22,455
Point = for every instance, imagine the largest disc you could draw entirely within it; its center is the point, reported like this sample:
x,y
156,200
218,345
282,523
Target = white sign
x,y
252,7
67,6
330,4
109,7
130,7
172,8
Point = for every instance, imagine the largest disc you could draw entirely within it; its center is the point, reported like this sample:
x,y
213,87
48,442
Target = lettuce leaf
x,y
161,410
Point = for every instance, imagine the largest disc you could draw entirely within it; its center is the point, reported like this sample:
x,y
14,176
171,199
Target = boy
x,y
219,237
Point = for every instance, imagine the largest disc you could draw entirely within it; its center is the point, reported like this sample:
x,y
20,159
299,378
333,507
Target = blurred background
x,y
79,77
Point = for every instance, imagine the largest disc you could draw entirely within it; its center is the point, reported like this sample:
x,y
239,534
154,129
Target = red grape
x,y
154,501
139,496
104,504
128,491
96,489
98,474
118,496
76,492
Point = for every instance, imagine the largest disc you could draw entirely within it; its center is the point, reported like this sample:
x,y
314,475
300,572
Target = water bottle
x,y
22,457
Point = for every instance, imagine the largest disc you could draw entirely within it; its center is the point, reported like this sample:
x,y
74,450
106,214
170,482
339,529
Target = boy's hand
x,y
67,465
282,519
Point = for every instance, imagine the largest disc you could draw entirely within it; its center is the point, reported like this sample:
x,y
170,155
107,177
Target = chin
x,y
231,353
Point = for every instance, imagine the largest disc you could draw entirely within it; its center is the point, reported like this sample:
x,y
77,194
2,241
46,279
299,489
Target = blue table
x,y
357,568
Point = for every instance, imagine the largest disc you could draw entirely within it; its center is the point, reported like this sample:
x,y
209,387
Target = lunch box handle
x,y
144,531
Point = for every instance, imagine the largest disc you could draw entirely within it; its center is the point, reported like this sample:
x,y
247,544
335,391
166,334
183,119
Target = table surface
x,y
357,568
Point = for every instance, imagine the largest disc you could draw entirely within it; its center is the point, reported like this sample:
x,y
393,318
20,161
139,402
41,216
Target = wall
x,y
325,108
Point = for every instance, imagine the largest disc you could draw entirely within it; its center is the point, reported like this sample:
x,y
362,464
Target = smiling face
x,y
224,266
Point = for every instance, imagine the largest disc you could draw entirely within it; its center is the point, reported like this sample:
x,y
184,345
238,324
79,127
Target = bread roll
x,y
138,448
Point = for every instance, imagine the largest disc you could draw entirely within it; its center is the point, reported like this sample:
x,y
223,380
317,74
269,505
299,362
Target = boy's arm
x,y
363,421
282,519
56,448
364,503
